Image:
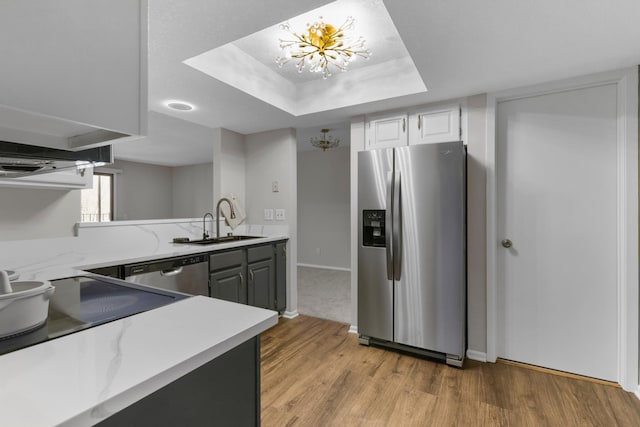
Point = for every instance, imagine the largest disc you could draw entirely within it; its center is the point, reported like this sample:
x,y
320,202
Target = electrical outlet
x,y
268,214
275,187
279,214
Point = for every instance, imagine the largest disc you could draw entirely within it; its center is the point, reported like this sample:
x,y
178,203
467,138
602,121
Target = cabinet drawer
x,y
259,253
227,259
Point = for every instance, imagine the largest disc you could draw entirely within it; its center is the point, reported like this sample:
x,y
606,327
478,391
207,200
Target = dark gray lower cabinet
x,y
229,285
254,275
223,392
281,276
262,284
262,276
227,280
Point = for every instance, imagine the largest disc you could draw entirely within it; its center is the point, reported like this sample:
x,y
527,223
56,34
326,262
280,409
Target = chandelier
x,y
322,46
325,141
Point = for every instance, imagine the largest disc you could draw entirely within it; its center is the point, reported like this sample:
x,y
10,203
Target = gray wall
x,y
192,190
476,223
37,214
143,191
323,208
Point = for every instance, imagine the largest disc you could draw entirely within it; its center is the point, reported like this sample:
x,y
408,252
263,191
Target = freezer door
x,y
375,274
429,301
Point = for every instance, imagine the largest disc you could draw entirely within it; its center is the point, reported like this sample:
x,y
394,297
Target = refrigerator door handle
x,y
388,227
397,227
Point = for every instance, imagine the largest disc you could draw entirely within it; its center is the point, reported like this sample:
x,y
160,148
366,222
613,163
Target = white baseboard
x,y
637,393
477,355
353,329
324,267
290,314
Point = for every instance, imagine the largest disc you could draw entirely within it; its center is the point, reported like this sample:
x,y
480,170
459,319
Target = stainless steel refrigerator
x,y
412,249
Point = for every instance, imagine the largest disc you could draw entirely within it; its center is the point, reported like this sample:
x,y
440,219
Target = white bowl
x,y
25,308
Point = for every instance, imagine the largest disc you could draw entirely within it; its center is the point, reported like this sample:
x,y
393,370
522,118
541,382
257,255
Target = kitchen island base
x,y
224,391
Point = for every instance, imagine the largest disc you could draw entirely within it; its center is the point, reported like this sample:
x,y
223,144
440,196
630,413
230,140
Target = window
x,y
97,202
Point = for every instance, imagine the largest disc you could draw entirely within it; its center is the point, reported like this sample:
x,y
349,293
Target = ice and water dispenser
x,y
373,232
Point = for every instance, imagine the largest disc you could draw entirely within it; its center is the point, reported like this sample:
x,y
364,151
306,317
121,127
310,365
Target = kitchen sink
x,y
223,239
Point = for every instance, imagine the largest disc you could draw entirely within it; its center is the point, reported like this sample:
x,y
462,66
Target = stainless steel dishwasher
x,y
189,274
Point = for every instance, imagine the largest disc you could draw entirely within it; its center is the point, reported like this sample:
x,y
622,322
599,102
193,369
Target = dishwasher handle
x,y
171,272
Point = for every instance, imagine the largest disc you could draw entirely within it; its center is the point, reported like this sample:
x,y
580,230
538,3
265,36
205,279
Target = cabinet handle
x,y
404,125
171,272
419,120
251,276
241,279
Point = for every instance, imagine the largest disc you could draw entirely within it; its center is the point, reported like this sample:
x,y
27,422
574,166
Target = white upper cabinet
x,y
425,125
74,73
440,124
386,131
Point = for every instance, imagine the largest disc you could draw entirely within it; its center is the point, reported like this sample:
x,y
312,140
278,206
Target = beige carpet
x,y
325,294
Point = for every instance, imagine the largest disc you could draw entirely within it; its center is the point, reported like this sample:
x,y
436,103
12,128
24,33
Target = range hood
x,y
17,160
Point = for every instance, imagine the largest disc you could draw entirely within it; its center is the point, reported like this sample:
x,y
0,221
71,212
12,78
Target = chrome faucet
x,y
205,234
233,214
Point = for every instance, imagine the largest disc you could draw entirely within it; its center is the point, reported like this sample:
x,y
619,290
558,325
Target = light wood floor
x,y
314,373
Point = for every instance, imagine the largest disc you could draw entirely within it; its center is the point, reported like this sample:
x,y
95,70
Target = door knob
x,y
506,243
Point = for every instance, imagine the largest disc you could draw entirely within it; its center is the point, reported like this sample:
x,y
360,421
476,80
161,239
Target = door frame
x,y
626,81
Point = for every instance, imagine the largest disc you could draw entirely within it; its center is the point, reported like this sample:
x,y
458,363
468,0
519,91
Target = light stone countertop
x,y
63,259
82,378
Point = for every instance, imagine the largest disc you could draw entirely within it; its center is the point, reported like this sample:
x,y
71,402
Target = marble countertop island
x,y
83,378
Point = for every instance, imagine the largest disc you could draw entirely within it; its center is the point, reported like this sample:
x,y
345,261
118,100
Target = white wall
x,y
357,144
476,223
229,165
271,156
323,208
143,191
35,214
192,194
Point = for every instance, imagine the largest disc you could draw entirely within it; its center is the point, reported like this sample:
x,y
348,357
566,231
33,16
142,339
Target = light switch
x,y
279,214
275,186
268,214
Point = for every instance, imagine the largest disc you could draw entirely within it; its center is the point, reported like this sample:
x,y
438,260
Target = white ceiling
x,y
170,142
460,48
249,64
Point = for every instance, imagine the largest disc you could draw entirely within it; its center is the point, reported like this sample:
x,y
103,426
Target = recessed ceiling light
x,y
179,105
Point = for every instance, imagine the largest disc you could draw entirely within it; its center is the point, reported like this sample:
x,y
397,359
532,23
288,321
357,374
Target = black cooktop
x,y
82,302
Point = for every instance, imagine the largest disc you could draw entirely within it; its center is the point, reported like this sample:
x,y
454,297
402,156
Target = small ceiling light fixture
x,y
179,105
322,46
325,142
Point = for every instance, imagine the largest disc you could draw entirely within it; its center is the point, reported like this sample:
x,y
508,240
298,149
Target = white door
x,y
556,175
